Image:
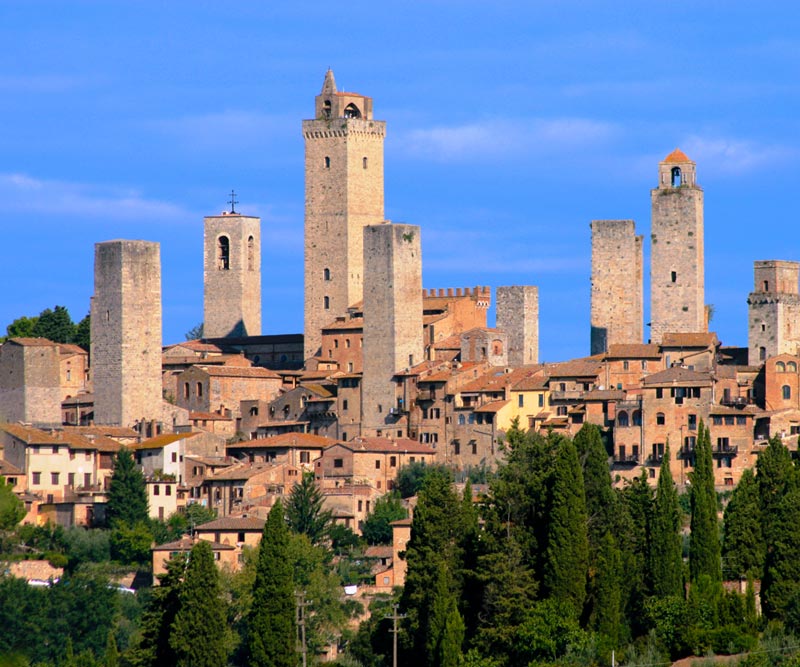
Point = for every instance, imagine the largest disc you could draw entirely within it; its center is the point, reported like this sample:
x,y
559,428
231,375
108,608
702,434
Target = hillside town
x,y
389,374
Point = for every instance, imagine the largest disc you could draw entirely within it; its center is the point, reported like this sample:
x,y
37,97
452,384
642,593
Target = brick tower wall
x,y
774,310
617,291
518,317
232,295
126,332
392,317
344,194
677,265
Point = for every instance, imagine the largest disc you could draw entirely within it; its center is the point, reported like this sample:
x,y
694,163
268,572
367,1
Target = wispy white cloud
x,y
734,156
21,192
506,137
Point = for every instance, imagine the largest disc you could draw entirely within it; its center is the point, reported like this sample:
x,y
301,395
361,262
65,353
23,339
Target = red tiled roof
x,y
677,375
633,351
384,445
588,368
70,349
209,416
186,543
162,440
32,342
699,339
494,406
677,156
304,440
233,523
239,371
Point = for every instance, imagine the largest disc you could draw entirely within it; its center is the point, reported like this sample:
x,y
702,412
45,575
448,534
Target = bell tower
x,y
344,194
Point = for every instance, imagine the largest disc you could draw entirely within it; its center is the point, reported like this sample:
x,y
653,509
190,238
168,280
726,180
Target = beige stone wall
x,y
232,290
126,332
774,310
344,193
392,317
677,289
518,316
616,311
30,384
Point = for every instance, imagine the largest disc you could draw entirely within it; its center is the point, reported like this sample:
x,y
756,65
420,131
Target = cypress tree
x,y
445,634
633,540
127,493
271,624
666,565
305,512
781,580
607,612
775,475
567,560
200,631
704,549
600,498
743,540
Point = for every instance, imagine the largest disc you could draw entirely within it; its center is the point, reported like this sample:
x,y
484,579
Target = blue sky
x,y
510,126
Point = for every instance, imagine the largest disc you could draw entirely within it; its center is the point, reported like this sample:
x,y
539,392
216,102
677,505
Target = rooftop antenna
x,y
233,201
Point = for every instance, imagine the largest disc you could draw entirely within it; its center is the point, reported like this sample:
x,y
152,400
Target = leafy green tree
x,y
377,528
12,509
304,510
131,543
271,622
83,332
781,582
22,327
55,325
111,656
704,549
195,333
743,541
567,563
666,564
127,493
199,633
435,542
411,477
607,608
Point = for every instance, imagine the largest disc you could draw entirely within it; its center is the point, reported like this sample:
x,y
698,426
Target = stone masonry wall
x,y
232,295
518,316
30,384
774,310
392,317
126,332
616,311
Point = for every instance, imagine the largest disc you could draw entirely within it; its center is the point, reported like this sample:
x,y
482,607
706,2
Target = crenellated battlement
x,y
343,127
479,292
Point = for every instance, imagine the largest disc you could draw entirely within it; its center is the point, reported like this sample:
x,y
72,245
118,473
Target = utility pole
x,y
300,614
395,617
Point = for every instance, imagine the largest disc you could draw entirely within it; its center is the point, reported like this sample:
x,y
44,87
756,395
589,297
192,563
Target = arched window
x,y
676,177
199,390
223,253
791,367
637,417
347,342
497,347
326,108
251,253
326,274
622,418
660,419
351,111
461,420
787,392
780,367
186,390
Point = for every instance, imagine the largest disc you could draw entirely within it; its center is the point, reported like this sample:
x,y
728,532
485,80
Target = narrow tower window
x,y
676,177
787,392
327,162
674,276
251,253
326,302
326,109
326,274
364,162
762,353
766,285
223,253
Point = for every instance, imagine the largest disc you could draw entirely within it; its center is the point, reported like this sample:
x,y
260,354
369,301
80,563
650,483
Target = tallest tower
x,y
344,194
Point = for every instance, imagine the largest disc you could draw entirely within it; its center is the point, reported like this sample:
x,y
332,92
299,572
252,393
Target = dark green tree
x,y
271,621
83,333
446,631
607,608
200,632
435,542
743,540
12,509
304,510
781,582
704,549
22,327
600,498
127,493
666,564
636,511
567,563
55,325
411,477
377,528
111,656
195,333
775,476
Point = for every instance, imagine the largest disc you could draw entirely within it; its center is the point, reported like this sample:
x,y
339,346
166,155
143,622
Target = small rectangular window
x,y
338,463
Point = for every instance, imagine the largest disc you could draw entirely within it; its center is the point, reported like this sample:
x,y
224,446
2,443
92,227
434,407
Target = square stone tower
x,y
30,382
617,287
677,291
232,276
344,194
392,319
774,310
518,317
126,332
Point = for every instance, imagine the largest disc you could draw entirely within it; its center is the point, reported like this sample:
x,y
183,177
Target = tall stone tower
x,y
344,194
518,317
30,382
126,332
617,291
232,276
392,319
677,289
774,310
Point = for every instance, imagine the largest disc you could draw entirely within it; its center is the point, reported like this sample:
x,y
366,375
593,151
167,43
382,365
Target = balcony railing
x,y
736,401
626,459
570,395
725,450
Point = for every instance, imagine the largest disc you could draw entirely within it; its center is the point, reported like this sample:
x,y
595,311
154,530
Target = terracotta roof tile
x,y
677,375
209,416
677,156
699,339
633,351
493,406
304,440
186,543
233,523
239,371
162,440
384,445
32,342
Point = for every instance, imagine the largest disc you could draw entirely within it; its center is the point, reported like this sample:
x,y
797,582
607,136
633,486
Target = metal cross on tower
x,y
233,201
